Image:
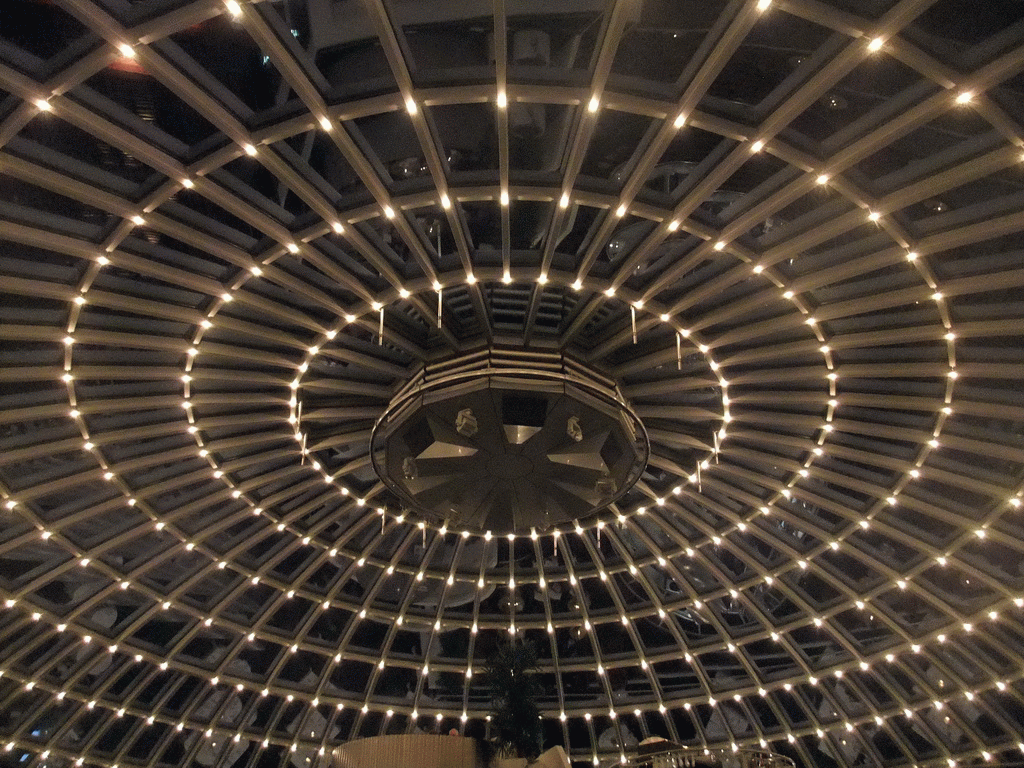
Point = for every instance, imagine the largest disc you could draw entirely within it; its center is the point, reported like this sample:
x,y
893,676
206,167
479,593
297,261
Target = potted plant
x,y
515,717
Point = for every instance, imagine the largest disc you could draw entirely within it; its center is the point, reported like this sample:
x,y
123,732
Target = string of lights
x,y
211,302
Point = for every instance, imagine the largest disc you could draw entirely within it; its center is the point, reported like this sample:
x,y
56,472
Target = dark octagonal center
x,y
509,442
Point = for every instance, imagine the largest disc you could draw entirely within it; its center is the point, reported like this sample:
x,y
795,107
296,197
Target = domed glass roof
x,y
787,234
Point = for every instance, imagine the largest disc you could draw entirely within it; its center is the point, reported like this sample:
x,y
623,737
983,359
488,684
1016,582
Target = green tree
x,y
515,717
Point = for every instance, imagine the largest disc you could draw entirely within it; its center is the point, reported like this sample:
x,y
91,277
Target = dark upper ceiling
x,y
789,231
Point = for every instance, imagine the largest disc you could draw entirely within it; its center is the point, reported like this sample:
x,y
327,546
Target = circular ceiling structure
x,y
777,245
499,442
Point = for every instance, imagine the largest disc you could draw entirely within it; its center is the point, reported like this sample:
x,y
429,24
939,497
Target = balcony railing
x,y
684,757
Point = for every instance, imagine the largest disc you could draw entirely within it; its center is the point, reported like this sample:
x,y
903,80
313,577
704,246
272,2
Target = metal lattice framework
x,y
789,231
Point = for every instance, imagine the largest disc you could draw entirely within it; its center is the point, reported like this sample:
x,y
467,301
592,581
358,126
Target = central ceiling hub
x,y
511,466
509,441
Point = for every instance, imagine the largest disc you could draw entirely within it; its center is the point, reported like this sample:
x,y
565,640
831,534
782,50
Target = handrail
x,y
497,361
688,757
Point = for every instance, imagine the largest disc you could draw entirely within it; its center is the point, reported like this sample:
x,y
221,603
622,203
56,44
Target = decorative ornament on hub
x,y
509,441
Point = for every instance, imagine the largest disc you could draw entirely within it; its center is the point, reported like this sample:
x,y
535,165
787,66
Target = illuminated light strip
x,y
967,627
827,352
404,292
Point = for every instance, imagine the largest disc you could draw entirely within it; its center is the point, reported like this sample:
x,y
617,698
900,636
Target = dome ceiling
x,y
787,234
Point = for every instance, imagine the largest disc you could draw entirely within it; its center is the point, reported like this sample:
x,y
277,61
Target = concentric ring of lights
x,y
191,357
940,636
371,316
635,303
